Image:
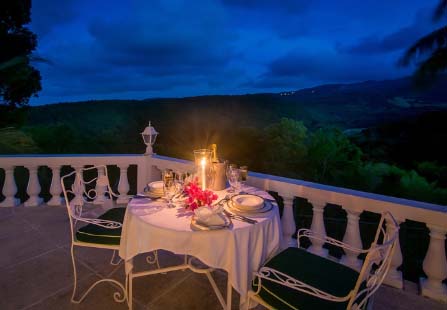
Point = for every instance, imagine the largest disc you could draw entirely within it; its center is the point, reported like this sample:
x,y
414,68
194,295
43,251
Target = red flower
x,y
198,197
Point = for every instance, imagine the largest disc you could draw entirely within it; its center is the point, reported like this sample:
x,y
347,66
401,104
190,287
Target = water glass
x,y
234,178
170,188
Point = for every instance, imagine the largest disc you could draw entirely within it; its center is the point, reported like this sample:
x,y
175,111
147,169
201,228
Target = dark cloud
x,y
394,41
288,6
299,69
49,14
139,48
161,50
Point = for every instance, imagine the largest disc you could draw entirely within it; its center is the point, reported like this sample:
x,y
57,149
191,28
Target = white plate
x,y
198,226
247,202
257,213
156,187
149,195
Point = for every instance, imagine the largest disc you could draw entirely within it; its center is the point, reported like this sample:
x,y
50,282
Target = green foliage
x,y
332,156
285,147
14,141
393,181
18,79
54,139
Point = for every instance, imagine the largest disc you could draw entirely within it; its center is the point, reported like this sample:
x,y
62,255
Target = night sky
x,y
105,49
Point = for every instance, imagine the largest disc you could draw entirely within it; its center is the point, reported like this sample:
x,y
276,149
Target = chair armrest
x,y
312,235
290,282
99,222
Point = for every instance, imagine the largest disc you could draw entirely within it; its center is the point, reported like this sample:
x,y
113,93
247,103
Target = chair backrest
x,y
377,261
84,189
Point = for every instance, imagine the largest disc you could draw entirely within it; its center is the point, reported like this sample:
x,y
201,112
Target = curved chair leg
x,y
153,260
129,290
117,296
75,277
112,260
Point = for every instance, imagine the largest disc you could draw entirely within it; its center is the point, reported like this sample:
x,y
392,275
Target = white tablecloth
x,y
240,250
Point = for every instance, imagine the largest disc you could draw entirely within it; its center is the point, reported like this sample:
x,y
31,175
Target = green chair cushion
x,y
319,272
92,233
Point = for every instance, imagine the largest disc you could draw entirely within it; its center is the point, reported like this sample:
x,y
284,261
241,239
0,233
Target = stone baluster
x,y
288,223
33,189
9,189
123,185
318,228
79,193
101,189
394,276
435,265
56,187
352,237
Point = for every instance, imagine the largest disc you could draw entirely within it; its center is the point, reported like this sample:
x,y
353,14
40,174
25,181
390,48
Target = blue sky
x,y
136,49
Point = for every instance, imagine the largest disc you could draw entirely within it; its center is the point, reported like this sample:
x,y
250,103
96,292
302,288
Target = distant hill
x,y
114,125
344,105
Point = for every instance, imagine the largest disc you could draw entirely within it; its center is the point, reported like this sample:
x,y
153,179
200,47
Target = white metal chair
x,y
103,232
297,279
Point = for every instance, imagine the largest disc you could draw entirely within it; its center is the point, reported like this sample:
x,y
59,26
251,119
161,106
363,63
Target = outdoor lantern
x,y
149,135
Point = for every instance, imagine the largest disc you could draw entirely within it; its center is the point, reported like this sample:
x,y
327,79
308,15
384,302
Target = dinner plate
x,y
156,186
197,226
247,202
149,195
268,206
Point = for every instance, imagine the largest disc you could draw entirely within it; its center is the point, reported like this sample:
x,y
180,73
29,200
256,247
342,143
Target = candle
x,y
203,165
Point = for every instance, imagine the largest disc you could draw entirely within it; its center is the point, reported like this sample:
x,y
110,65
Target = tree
x,y
332,157
285,148
435,44
18,79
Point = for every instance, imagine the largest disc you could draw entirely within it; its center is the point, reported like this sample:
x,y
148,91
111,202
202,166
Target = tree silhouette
x,y
434,44
18,79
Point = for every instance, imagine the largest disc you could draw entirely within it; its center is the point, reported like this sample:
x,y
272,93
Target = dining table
x,y
239,249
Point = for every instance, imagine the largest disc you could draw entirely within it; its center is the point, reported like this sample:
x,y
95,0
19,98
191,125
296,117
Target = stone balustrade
x,y
353,202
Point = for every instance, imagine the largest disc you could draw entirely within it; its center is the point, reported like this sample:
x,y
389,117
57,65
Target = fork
x,y
240,217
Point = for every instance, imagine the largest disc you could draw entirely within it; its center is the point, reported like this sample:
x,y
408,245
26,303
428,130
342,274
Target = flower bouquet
x,y
197,197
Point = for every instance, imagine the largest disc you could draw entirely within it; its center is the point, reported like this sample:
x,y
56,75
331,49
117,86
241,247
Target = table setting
x,y
235,228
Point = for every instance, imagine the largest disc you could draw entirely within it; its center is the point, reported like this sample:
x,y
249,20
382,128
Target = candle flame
x,y
203,162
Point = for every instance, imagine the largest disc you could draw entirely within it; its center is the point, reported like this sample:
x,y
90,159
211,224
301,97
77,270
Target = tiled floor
x,y
36,272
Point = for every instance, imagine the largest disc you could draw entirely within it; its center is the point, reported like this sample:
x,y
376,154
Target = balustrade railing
x,y
353,202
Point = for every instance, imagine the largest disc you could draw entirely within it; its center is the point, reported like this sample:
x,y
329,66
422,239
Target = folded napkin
x,y
210,216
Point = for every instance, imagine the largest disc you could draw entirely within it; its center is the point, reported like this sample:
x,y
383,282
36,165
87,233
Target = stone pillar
x,y
352,237
394,276
123,185
33,189
318,228
288,223
9,189
435,266
56,187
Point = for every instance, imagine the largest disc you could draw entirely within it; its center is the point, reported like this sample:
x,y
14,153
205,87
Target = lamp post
x,y
149,136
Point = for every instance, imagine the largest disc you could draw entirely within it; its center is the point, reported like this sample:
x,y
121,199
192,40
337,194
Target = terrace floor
x,y
36,272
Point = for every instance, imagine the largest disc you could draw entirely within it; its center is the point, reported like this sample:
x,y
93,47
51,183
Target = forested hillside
x,y
376,136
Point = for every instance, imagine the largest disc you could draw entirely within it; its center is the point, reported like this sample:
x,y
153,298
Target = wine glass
x,y
170,188
234,178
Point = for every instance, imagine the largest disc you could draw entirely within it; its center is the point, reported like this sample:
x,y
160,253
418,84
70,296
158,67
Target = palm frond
x,y
432,66
440,10
434,40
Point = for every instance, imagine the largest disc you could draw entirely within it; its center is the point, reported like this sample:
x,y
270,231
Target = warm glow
x,y
203,164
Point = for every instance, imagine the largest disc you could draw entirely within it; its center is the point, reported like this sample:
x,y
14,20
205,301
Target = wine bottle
x,y
214,158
